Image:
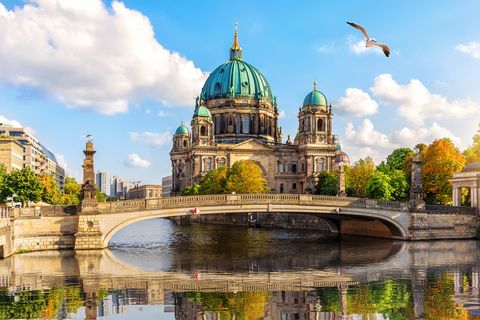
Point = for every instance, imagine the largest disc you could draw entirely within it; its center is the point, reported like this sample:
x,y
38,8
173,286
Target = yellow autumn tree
x,y
245,177
441,159
357,176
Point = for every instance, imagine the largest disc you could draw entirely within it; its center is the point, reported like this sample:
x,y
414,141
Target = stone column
x,y
341,182
416,190
474,197
456,196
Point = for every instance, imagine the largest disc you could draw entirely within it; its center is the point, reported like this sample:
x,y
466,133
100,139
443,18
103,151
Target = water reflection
x,y
159,270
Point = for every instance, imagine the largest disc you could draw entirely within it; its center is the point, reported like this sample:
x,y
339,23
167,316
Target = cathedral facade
x,y
236,118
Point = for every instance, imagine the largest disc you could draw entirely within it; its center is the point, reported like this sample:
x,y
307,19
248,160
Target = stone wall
x,y
431,226
44,233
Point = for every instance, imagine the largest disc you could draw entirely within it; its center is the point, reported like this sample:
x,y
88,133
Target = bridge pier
x,y
88,235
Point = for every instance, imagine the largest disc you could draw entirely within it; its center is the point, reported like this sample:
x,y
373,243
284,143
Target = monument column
x,y
416,193
341,181
88,234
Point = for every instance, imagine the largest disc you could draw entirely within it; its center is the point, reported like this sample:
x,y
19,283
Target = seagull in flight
x,y
370,42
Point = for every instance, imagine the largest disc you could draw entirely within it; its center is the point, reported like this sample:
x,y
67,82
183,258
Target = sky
x,y
128,72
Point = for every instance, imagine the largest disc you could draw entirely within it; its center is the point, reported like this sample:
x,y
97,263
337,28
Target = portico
x,y
468,178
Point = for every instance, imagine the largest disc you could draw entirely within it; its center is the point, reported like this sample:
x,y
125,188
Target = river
x,y
156,269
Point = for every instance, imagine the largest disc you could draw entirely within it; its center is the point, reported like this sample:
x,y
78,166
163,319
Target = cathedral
x,y
236,118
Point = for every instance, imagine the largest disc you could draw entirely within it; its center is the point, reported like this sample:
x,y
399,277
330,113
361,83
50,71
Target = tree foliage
x,y
72,191
396,160
51,192
357,176
379,187
101,197
400,185
440,160
24,183
243,177
472,153
327,183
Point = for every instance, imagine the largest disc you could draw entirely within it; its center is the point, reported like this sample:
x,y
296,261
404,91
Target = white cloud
x,y
472,49
326,48
13,123
357,102
148,111
91,56
366,135
134,161
410,137
281,114
416,103
358,47
163,114
154,139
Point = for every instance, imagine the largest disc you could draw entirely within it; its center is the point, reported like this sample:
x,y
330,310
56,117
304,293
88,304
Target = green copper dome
x,y
202,111
182,129
236,79
315,98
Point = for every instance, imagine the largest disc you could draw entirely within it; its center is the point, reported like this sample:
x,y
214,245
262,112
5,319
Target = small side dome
x,y
202,111
182,130
342,157
315,98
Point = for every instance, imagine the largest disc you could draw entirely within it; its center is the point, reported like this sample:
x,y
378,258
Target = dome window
x,y
218,88
245,83
243,69
221,70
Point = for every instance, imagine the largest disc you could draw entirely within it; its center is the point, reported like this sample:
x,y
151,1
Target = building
x,y
101,181
166,186
236,118
119,188
11,154
35,155
147,191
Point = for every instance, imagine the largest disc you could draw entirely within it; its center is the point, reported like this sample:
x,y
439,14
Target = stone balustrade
x,y
237,199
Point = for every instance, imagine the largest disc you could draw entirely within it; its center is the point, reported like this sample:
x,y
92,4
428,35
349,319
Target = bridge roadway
x,y
60,227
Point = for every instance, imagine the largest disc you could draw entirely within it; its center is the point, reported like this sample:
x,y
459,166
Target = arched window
x,y
208,164
245,124
320,165
320,125
218,88
203,131
302,127
184,143
221,163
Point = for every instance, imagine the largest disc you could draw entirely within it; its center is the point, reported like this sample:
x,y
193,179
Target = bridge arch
x,y
373,221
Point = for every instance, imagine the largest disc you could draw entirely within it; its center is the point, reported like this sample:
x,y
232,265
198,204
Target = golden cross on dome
x,y
314,85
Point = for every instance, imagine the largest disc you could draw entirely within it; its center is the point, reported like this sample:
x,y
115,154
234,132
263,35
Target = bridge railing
x,y
450,209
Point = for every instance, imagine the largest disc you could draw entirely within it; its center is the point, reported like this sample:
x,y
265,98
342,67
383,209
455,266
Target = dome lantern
x,y
182,130
315,98
235,50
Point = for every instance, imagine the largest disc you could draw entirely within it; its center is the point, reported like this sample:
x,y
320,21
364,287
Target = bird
x,y
370,42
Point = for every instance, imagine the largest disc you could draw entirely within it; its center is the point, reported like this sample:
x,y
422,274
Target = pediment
x,y
252,144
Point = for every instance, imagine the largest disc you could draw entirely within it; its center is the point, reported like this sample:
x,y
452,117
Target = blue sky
x,y
128,72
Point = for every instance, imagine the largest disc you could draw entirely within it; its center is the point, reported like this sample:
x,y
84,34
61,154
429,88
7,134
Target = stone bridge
x,y
61,227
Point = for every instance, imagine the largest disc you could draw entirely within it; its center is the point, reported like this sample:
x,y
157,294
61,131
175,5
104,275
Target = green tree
x,y
396,160
101,197
378,186
192,190
72,190
23,183
357,176
50,190
327,183
441,160
3,172
214,181
472,153
243,177
400,185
